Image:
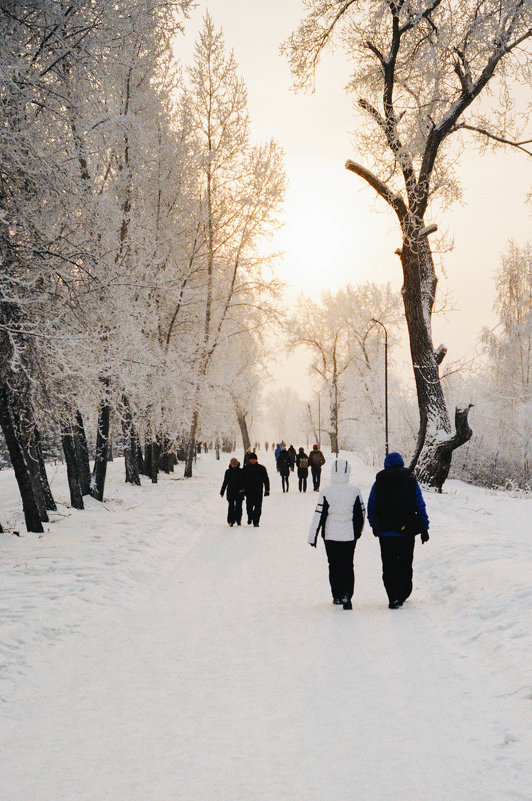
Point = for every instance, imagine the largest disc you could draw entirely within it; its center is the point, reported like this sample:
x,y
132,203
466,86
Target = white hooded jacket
x,y
340,510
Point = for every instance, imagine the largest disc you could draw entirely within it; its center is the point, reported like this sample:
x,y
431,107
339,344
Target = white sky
x,y
333,236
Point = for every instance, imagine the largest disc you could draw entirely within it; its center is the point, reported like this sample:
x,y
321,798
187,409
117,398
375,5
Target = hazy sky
x,y
333,235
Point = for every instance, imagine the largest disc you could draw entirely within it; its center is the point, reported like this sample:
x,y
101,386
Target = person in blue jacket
x,y
396,513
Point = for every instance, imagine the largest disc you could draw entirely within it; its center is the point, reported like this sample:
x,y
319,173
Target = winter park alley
x,y
152,652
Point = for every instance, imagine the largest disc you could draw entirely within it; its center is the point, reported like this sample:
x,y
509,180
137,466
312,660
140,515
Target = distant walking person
x,y
316,460
292,454
283,467
256,481
234,484
247,454
302,470
396,513
277,451
339,516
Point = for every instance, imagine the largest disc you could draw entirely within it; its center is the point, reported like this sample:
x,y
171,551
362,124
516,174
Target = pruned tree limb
x,y
395,201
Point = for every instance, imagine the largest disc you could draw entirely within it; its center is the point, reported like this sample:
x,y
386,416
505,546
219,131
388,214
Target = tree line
x,y
132,206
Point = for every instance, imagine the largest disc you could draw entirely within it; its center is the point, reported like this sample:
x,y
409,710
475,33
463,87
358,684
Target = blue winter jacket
x,y
394,462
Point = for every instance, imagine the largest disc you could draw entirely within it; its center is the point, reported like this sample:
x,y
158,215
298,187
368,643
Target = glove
x,y
266,493
221,494
425,536
312,544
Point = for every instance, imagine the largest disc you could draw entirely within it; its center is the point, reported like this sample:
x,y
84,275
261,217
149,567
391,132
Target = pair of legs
x,y
254,507
302,483
284,480
234,510
340,556
397,555
316,476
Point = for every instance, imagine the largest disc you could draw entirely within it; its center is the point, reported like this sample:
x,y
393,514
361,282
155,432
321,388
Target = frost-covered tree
x,y
426,74
80,89
341,335
241,187
510,357
35,180
285,411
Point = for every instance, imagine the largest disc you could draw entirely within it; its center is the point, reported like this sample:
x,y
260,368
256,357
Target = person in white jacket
x,y
339,515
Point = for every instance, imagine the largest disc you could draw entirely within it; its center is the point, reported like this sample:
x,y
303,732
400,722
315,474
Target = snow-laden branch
x,y
394,200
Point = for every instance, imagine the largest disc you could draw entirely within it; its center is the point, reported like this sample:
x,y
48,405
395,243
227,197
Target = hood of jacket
x,y
340,471
394,459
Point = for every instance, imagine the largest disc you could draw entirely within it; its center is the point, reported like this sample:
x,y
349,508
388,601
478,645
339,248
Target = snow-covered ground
x,y
151,653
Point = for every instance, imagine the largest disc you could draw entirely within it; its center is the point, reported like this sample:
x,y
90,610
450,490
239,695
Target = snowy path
x,y
227,675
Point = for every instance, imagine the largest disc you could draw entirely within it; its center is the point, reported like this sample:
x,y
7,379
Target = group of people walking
x,y
396,513
287,460
250,482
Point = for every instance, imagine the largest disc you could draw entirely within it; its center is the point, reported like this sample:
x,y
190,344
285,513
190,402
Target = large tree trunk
x,y
441,464
155,450
48,497
16,454
69,449
130,445
23,421
191,445
435,444
167,458
102,441
138,455
82,454
148,456
333,433
242,422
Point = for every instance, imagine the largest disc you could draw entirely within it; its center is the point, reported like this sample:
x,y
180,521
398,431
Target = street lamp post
x,y
373,320
319,420
336,415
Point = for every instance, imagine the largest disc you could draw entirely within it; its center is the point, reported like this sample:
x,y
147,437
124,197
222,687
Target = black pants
x,y
254,505
302,483
397,556
341,573
316,476
234,511
284,480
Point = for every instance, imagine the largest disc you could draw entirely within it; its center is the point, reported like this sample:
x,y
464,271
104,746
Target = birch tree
x,y
427,75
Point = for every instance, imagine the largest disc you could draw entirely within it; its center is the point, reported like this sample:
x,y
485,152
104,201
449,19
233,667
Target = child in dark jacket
x,y
234,484
302,469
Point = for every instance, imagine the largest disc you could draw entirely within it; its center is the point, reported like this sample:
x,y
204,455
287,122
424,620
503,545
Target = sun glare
x,y
312,242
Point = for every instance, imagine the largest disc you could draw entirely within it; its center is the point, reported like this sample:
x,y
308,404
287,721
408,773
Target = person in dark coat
x,y
234,484
396,513
283,467
292,455
246,455
256,480
302,469
316,460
